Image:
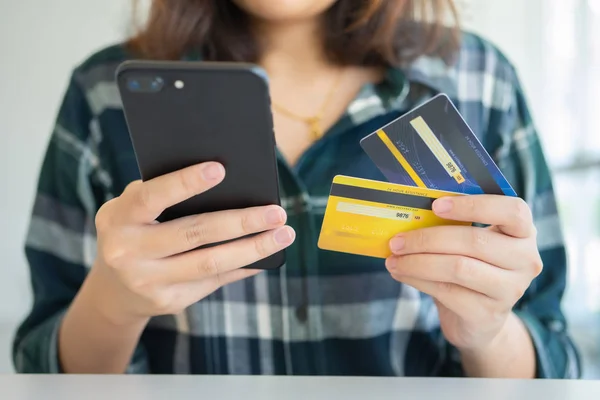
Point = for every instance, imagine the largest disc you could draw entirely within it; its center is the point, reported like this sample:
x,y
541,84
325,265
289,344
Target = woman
x,y
115,292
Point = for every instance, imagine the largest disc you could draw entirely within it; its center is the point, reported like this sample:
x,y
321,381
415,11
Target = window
x,y
555,46
570,122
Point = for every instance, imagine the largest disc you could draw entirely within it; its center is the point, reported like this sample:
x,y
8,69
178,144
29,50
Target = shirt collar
x,y
432,72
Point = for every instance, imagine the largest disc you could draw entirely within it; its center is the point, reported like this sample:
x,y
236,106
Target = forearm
x,y
89,342
511,354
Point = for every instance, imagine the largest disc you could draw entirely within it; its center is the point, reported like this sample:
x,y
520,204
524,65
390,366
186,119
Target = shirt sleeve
x,y
61,241
514,143
523,161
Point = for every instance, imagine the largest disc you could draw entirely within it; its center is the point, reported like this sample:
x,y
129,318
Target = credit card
x,y
362,215
433,147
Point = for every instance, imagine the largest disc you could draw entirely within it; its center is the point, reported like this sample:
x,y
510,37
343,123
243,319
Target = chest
x,y
303,112
293,138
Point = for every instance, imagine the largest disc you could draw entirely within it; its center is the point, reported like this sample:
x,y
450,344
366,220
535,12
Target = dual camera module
x,y
149,84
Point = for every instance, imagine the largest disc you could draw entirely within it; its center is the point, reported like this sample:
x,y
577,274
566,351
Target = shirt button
x,y
302,313
556,326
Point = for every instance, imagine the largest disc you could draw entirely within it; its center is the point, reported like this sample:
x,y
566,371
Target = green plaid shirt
x,y
323,313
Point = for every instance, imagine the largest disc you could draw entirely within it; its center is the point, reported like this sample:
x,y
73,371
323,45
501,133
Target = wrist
x,y
94,336
498,342
107,302
509,354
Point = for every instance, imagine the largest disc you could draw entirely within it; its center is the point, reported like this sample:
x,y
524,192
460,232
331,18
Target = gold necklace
x,y
313,122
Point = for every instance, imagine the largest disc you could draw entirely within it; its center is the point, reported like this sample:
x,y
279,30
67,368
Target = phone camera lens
x,y
157,84
145,84
134,85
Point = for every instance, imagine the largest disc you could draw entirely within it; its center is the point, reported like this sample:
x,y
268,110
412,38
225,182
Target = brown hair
x,y
359,32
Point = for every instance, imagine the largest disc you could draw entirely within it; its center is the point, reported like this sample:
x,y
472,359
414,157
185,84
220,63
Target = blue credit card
x,y
433,147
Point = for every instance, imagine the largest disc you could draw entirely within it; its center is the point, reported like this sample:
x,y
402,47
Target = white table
x,y
46,387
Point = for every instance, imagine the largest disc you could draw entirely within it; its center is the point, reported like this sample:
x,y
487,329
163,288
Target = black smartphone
x,y
183,113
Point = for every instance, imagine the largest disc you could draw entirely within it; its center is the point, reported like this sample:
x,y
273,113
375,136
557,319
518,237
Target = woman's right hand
x,y
149,269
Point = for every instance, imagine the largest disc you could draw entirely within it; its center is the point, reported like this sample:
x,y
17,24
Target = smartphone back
x,y
181,113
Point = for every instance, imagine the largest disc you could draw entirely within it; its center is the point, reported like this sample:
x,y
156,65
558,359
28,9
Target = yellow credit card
x,y
362,215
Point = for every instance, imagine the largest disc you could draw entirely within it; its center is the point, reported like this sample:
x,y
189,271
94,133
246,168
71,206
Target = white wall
x,y
515,26
40,42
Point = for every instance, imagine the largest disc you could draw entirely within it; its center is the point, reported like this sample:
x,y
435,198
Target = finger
x,y
147,200
191,232
188,293
470,306
234,276
218,260
483,244
467,272
510,214
192,292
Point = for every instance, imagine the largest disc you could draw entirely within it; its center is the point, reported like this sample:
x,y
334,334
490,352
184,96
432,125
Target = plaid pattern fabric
x,y
323,313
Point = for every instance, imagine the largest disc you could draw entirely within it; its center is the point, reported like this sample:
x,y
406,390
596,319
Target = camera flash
x,y
179,84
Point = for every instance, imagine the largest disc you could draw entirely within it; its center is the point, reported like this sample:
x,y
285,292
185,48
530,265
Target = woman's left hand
x,y
475,275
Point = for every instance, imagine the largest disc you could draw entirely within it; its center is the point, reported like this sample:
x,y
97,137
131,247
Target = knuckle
x,y
208,266
161,302
420,240
103,218
139,285
497,311
132,186
537,266
142,197
113,252
479,237
445,287
534,231
522,212
189,181
247,224
197,233
463,269
260,247
253,220
519,291
486,309
467,203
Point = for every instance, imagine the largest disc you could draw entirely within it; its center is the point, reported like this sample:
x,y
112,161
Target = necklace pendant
x,y
315,128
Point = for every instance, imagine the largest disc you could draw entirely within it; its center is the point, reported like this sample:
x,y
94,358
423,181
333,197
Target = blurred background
x,y
555,45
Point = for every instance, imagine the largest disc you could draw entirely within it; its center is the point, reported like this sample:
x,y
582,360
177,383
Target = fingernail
x,y
274,216
390,263
212,171
397,244
443,205
284,236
